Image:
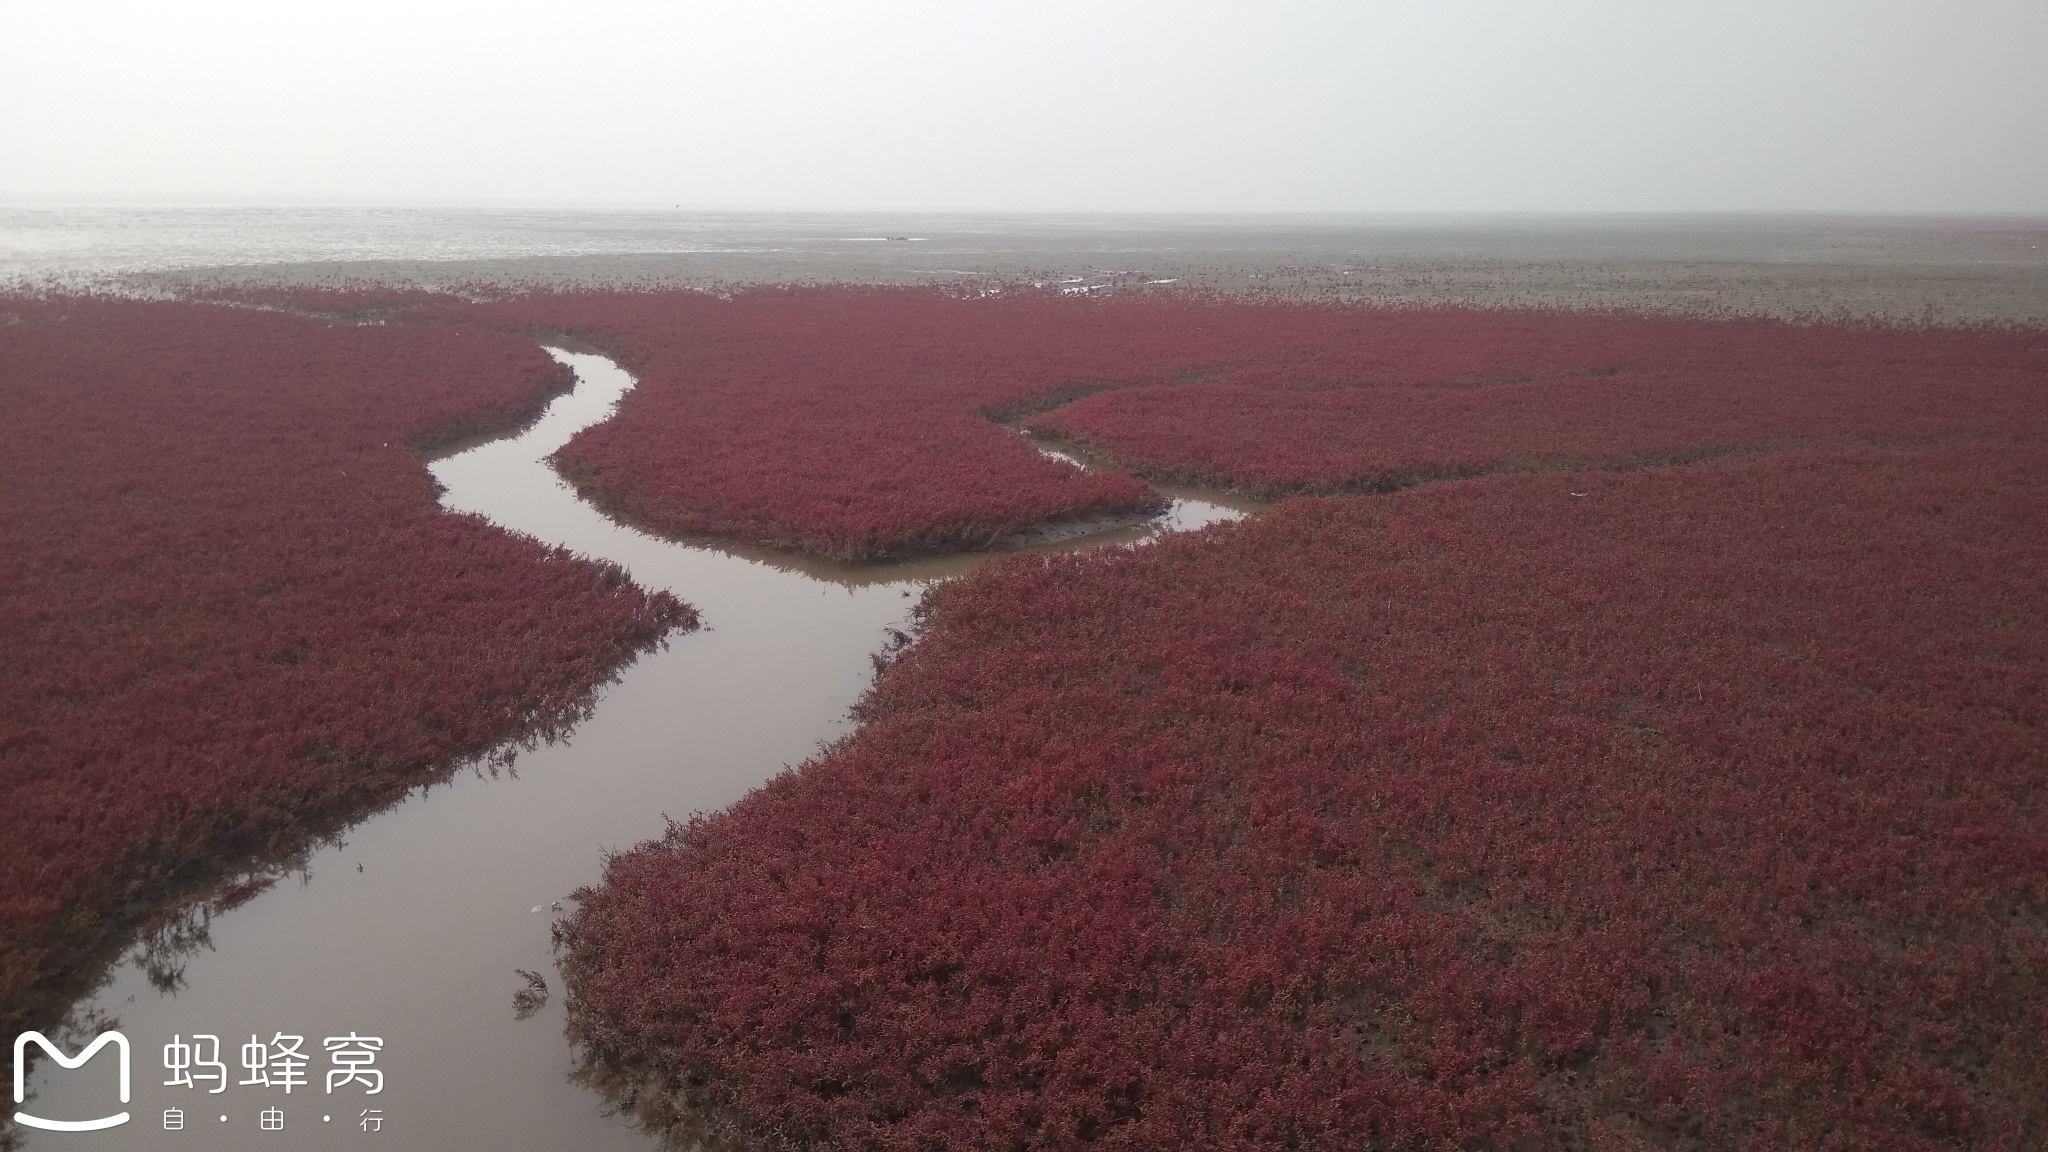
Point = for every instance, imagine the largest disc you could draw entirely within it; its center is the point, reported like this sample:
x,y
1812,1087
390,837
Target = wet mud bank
x,y
429,925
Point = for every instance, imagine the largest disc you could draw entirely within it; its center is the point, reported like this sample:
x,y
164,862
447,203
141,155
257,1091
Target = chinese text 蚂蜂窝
x,y
280,1062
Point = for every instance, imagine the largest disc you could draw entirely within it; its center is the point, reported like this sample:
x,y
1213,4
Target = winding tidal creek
x,y
414,929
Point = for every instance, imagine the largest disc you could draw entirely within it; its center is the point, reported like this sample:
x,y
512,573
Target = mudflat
x,y
1941,268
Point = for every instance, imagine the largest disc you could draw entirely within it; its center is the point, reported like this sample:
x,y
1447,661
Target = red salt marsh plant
x,y
1701,807
848,424
855,422
232,614
1278,442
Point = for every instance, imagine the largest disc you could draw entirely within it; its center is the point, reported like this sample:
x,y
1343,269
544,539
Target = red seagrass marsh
x,y
1691,807
999,577
862,423
233,615
1620,731
1691,801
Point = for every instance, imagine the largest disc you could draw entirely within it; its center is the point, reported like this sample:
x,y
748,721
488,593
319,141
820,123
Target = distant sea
x,y
81,245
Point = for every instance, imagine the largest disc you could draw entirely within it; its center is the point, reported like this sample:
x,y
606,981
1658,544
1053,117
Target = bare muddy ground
x,y
1946,269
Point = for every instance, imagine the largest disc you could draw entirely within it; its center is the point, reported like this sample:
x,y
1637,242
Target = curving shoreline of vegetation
x,y
233,618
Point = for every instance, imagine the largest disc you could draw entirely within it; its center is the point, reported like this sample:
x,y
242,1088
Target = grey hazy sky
x,y
1452,105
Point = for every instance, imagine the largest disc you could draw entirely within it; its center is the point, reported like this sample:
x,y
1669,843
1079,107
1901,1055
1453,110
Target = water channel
x,y
413,929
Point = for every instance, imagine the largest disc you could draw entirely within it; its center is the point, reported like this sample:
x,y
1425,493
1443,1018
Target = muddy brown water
x,y
413,929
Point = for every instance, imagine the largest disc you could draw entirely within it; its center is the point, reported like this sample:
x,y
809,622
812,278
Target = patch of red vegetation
x,y
849,423
231,612
852,421
1755,385
1708,808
